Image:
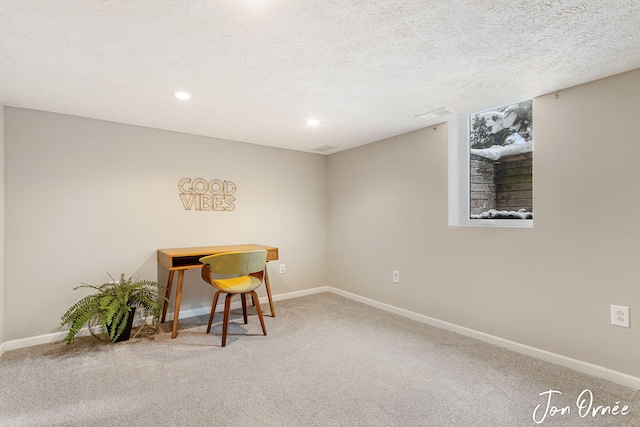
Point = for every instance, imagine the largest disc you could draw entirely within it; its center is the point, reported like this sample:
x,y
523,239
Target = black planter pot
x,y
126,334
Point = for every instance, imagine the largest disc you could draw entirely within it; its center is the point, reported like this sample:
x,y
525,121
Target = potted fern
x,y
112,309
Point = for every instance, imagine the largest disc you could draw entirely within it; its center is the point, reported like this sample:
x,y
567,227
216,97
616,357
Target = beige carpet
x,y
327,361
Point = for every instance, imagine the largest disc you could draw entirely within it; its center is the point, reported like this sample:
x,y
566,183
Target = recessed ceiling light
x,y
183,96
313,122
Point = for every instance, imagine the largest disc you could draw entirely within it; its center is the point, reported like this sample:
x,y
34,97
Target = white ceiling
x,y
257,69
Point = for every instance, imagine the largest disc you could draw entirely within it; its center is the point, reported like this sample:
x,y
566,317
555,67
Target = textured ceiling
x,y
257,69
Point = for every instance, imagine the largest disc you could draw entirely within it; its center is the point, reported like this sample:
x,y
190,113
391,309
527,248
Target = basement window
x,y
491,167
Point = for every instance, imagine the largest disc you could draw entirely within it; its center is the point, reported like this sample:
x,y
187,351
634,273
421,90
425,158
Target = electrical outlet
x,y
620,315
282,269
396,276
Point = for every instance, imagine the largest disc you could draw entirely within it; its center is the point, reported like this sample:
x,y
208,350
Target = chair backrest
x,y
236,263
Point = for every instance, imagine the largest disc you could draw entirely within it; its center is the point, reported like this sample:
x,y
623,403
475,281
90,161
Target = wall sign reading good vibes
x,y
203,195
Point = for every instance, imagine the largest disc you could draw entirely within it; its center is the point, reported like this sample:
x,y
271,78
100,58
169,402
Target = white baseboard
x,y
199,311
264,303
577,365
41,339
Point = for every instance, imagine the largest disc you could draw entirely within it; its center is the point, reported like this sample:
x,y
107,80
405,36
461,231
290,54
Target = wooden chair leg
x,y
254,296
225,322
268,287
243,297
213,309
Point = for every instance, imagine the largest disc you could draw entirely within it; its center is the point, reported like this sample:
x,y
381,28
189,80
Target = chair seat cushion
x,y
237,285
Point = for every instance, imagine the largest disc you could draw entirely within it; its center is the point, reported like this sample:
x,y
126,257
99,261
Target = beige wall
x,y
549,287
2,204
86,197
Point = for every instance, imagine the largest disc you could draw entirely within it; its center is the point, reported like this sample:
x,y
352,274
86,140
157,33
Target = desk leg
x,y
176,310
167,295
268,286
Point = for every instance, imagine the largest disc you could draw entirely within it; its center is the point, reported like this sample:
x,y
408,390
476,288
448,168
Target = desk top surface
x,y
166,256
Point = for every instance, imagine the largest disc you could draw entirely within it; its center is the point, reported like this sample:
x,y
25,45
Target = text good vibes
x,y
203,195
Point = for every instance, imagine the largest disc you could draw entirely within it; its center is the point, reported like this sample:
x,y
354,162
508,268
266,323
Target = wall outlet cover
x,y
620,315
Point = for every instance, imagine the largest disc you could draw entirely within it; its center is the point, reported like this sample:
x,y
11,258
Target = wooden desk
x,y
181,259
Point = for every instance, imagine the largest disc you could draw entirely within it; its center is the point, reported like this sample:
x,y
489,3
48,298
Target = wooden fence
x,y
506,184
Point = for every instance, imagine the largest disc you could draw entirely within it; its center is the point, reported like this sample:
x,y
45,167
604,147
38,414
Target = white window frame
x,y
459,170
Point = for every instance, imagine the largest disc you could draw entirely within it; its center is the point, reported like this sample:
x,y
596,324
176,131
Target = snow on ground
x,y
495,152
496,214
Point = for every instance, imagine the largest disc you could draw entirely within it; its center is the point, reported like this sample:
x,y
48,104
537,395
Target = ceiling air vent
x,y
324,148
434,114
